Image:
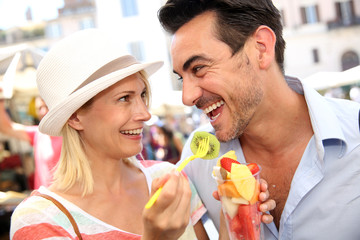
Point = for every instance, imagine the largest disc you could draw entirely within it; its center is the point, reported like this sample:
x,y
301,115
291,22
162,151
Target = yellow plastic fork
x,y
201,152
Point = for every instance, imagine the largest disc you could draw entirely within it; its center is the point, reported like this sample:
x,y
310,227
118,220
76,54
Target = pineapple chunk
x,y
239,200
243,180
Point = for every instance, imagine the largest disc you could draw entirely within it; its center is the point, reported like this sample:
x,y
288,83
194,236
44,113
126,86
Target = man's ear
x,y
75,122
265,43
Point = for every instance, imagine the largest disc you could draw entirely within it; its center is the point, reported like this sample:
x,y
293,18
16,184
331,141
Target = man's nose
x,y
191,92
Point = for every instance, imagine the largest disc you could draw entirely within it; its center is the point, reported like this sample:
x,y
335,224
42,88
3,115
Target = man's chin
x,y
223,137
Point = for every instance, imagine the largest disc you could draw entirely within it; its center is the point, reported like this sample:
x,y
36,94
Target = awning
x,y
326,80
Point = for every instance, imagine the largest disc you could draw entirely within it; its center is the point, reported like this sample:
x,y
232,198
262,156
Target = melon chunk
x,y
228,189
230,208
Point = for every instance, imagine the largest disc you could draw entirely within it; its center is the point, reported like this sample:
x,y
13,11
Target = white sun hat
x,y
77,68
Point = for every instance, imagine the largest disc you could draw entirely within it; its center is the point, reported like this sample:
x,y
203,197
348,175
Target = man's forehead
x,y
186,44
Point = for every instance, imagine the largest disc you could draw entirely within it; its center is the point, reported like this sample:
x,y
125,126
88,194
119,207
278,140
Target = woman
x,y
98,102
45,158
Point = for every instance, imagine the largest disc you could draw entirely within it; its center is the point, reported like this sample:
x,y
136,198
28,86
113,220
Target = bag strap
x,y
359,120
64,210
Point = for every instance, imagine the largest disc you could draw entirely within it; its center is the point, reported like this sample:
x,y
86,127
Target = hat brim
x,y
53,122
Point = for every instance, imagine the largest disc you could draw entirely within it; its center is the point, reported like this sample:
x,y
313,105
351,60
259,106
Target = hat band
x,y
115,65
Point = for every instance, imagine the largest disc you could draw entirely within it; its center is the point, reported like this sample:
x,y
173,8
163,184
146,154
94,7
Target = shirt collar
x,y
325,124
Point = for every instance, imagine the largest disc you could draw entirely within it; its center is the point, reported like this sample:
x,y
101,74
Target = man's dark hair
x,y
237,20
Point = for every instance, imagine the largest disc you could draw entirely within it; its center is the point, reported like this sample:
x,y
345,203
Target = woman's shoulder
x,y
33,211
156,164
157,168
31,205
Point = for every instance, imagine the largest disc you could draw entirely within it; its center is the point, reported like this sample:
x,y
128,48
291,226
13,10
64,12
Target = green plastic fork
x,y
201,152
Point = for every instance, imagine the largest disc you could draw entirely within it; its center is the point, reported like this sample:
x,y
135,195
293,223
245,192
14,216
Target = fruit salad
x,y
239,188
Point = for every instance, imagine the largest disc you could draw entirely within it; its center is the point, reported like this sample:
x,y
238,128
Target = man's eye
x,y
196,69
124,98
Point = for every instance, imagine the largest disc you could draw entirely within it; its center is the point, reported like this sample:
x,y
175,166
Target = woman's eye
x,y
144,94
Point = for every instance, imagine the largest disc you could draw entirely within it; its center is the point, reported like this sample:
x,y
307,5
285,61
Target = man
x,y
229,55
46,148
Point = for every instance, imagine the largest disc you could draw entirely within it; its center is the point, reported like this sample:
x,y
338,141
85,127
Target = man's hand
x,y
266,203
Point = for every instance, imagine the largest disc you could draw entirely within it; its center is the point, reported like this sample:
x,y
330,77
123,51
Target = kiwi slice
x,y
214,144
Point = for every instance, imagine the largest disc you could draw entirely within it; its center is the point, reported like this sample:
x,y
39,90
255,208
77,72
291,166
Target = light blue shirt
x,y
324,198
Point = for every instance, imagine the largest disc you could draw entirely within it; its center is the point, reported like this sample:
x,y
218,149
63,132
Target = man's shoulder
x,y
342,113
345,105
342,117
347,111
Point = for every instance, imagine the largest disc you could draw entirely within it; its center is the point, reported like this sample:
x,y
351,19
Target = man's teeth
x,y
132,132
213,107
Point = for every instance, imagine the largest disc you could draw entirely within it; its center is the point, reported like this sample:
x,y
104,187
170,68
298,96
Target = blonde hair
x,y
74,166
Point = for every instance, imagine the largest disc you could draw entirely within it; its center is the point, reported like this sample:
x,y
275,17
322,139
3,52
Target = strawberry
x,y
226,163
253,167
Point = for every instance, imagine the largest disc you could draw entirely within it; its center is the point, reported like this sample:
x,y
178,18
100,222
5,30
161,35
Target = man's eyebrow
x,y
190,61
193,59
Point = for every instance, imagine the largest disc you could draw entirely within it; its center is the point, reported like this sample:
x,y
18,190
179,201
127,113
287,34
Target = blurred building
x,y
75,15
135,21
137,24
321,35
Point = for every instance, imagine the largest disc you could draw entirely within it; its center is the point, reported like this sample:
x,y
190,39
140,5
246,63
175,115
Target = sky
x,y
13,12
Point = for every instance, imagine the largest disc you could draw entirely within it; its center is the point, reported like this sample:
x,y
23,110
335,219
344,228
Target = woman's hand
x,y
170,214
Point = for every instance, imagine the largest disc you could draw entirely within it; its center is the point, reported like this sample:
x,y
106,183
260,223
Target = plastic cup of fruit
x,y
242,215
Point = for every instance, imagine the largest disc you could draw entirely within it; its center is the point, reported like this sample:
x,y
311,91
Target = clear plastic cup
x,y
242,215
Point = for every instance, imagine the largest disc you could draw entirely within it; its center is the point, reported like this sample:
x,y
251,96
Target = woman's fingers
x,y
159,182
181,208
170,214
171,191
